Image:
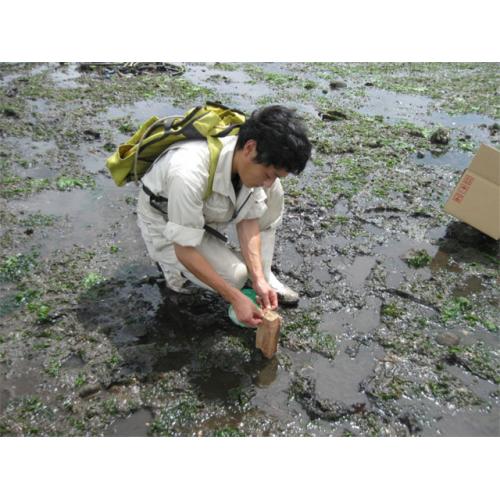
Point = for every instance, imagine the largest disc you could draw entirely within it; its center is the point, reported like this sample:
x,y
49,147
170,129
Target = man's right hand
x,y
246,311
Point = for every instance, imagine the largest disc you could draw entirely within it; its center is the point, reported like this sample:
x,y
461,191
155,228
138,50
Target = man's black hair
x,y
281,138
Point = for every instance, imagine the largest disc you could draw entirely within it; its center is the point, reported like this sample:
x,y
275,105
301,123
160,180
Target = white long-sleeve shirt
x,y
181,176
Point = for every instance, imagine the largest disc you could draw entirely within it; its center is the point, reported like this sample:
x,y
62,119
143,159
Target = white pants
x,y
228,263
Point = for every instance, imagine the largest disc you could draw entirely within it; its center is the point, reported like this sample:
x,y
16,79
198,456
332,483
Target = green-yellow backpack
x,y
135,157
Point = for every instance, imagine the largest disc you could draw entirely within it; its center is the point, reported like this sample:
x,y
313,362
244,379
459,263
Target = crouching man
x,y
246,192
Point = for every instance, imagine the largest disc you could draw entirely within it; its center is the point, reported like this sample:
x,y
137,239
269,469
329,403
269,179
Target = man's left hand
x,y
267,295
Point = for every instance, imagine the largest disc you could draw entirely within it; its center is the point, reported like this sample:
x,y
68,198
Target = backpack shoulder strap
x,y
214,147
168,120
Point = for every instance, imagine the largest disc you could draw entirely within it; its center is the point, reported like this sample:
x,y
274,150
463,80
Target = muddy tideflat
x,y
396,333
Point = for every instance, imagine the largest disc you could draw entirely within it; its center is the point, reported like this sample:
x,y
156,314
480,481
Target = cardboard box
x,y
476,198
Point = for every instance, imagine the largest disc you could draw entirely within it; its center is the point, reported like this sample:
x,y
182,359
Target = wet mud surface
x,y
397,330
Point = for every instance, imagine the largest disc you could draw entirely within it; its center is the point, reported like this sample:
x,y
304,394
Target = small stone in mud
x,y
12,92
337,84
89,389
333,115
90,135
447,339
10,112
494,128
416,133
440,136
217,78
411,422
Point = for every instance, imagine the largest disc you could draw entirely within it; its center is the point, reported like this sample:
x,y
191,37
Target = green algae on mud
x,y
457,87
302,332
98,92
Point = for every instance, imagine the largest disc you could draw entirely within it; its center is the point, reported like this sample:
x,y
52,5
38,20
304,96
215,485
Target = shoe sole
x,y
287,301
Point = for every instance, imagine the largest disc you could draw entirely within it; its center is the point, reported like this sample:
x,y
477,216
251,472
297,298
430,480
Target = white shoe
x,y
187,288
285,294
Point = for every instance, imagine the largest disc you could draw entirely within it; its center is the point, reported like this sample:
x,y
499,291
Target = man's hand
x,y
246,311
267,295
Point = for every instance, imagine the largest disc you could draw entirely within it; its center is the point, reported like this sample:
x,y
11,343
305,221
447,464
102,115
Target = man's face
x,y
253,174
258,175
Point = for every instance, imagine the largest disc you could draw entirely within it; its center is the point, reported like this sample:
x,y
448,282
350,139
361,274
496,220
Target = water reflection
x,y
267,374
157,331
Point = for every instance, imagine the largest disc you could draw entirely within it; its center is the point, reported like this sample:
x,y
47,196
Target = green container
x,y
252,295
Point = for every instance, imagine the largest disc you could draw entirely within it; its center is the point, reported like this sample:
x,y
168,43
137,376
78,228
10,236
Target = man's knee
x,y
239,275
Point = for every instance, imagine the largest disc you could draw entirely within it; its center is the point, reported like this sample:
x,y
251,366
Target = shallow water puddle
x,y
360,269
92,158
86,213
141,111
219,384
272,385
23,379
135,425
65,76
465,423
396,107
339,380
235,84
394,264
30,149
453,160
472,285
443,261
350,320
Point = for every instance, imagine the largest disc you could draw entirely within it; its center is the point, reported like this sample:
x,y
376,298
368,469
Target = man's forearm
x,y
249,238
196,263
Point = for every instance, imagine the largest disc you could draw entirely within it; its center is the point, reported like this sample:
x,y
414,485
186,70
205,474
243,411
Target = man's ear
x,y
250,148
